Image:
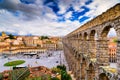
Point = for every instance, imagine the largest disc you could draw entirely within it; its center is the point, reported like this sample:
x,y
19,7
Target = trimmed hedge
x,y
14,63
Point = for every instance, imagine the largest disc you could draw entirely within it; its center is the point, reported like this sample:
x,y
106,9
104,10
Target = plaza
x,y
50,60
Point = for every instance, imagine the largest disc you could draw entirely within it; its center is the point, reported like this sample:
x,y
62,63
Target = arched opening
x,y
91,67
108,45
83,67
105,31
90,72
110,33
92,44
103,76
92,35
85,46
80,43
78,67
80,36
85,36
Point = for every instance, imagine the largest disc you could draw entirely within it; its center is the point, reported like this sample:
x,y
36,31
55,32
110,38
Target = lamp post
x,y
60,59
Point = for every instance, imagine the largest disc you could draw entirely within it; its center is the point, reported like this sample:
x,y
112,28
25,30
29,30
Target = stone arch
x,y
80,57
85,43
102,50
92,35
80,42
91,66
76,53
103,76
80,36
78,70
92,45
91,72
105,31
83,68
85,37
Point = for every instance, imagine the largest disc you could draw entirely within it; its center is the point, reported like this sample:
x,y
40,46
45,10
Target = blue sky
x,y
49,17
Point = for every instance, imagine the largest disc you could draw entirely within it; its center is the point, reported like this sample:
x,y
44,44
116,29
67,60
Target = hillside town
x,y
10,44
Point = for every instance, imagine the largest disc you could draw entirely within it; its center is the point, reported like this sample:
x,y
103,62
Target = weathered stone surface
x,y
82,41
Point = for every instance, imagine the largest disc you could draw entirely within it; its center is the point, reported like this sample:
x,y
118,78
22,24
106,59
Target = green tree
x,y
62,67
115,40
44,37
65,76
11,36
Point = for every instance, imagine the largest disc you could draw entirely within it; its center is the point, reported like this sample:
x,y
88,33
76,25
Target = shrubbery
x,y
43,77
61,69
55,78
1,76
19,74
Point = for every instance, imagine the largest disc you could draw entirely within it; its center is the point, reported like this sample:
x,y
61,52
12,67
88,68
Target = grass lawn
x,y
14,63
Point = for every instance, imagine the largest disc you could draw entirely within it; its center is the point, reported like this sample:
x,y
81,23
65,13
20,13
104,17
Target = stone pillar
x,y
102,52
118,51
90,74
83,70
78,69
85,47
92,49
89,77
77,44
80,43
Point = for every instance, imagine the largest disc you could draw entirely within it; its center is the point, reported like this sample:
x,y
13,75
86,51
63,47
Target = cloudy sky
x,y
49,17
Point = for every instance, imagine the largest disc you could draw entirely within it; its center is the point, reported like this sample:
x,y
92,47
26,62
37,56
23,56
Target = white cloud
x,y
62,9
99,6
43,24
68,15
112,32
16,25
51,16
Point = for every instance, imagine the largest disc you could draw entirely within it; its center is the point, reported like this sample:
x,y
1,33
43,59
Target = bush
x,y
55,70
45,77
62,67
19,74
65,76
1,76
54,78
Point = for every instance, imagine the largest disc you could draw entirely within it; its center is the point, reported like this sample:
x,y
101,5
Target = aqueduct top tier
x,y
110,15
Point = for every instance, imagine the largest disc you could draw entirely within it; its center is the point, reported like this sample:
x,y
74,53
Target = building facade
x,y
112,46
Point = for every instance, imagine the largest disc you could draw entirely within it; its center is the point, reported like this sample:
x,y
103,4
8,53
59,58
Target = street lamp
x,y
60,59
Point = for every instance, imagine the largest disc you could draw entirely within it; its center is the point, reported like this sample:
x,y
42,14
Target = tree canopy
x,y
11,36
44,37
